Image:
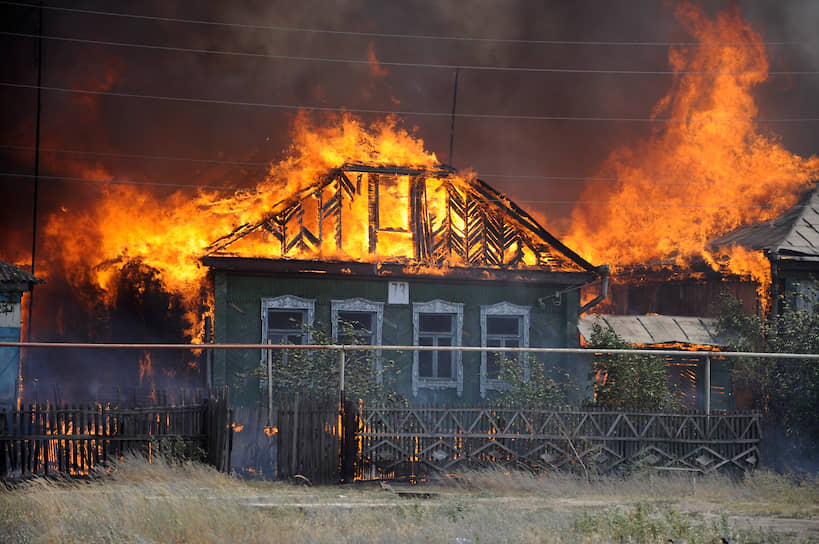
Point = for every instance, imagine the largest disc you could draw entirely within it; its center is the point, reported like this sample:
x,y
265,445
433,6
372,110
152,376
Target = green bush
x,y
629,382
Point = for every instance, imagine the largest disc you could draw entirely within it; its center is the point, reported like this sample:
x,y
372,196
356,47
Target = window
x,y
502,325
285,320
359,321
362,321
437,323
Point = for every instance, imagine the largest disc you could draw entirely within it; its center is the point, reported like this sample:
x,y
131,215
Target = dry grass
x,y
161,502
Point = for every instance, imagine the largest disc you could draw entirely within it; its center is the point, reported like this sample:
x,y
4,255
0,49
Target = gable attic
x,y
401,214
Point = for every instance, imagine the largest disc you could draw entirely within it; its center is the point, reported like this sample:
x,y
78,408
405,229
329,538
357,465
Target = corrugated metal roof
x,y
656,329
794,233
12,274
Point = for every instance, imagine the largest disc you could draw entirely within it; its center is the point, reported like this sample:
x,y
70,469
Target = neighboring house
x,y
410,257
14,282
687,374
791,243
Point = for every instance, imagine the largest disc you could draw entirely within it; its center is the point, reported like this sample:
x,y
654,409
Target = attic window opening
x,y
393,203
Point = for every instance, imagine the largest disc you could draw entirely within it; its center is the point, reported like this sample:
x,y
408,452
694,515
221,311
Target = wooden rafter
x,y
480,226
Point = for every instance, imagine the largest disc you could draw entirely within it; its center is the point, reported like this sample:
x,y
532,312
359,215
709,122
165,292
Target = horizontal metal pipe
x,y
358,347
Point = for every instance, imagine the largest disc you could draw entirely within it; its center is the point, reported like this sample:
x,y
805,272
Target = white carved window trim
x,y
286,302
438,306
361,305
506,309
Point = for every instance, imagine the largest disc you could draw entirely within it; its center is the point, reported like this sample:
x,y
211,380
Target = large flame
x,y
170,232
710,170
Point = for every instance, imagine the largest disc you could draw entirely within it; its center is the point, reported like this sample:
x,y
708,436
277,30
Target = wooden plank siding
x,y
238,302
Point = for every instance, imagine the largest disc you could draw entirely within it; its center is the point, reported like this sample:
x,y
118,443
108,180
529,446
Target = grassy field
x,y
140,502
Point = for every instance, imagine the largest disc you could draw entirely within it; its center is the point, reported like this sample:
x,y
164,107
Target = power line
x,y
125,182
265,165
550,202
281,28
407,113
532,69
138,156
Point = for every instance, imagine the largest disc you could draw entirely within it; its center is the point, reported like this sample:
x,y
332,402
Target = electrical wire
x,y
502,201
281,28
533,69
266,165
338,109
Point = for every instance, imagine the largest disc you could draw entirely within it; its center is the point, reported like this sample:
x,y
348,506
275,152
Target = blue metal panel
x,y
9,361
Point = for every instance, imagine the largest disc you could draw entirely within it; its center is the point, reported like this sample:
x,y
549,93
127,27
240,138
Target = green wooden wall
x,y
237,319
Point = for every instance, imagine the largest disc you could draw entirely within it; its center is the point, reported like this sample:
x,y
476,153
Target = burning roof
x,y
430,217
794,234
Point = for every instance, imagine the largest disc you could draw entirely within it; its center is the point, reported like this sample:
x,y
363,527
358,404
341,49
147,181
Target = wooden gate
x,y
298,436
417,441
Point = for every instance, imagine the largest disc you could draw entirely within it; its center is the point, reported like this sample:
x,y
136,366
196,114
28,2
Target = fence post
x,y
269,386
341,363
708,384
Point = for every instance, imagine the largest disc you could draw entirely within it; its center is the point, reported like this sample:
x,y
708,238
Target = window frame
x,y
438,306
359,304
286,303
502,309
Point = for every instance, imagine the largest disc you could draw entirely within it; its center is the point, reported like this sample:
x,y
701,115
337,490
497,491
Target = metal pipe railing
x,y
467,349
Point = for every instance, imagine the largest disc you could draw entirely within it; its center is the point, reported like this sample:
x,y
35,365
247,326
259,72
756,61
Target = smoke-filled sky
x,y
216,141
500,150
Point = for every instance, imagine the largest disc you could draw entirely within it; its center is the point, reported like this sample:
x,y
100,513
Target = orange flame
x,y
170,233
707,172
271,431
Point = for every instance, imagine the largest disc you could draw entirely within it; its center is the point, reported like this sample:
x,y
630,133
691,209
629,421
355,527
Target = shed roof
x,y
656,329
15,278
795,233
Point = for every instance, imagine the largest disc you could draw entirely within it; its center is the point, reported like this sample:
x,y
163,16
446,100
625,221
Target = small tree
x,y
318,371
786,390
529,384
629,382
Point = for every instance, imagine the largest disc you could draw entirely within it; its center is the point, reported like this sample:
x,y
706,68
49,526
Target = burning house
x,y
408,255
791,243
671,307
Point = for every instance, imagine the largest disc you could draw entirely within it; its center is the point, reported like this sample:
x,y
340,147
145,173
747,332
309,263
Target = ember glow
x,y
707,172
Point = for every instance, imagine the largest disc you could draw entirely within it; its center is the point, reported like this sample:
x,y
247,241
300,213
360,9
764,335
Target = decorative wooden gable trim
x,y
435,219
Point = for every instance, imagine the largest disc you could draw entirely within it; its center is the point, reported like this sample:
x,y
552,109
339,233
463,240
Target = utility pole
x,y
36,161
452,126
23,353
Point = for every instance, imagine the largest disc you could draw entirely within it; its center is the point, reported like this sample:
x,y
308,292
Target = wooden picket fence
x,y
410,442
74,439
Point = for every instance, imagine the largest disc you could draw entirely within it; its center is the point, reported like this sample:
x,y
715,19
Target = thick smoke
x,y
502,151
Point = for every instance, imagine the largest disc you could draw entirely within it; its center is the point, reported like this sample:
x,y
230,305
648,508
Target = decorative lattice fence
x,y
398,442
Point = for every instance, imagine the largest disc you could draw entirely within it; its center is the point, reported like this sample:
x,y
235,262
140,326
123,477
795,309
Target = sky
x,y
502,151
